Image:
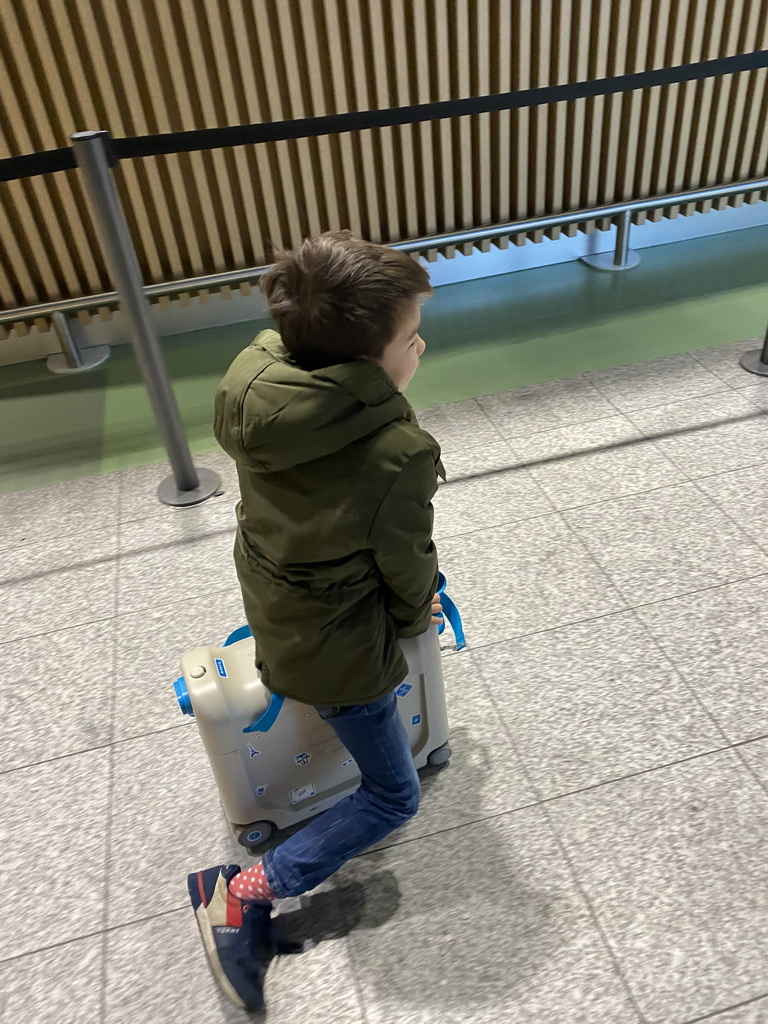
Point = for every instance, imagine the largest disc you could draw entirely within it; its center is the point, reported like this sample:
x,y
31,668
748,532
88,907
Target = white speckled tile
x,y
61,984
480,925
55,584
716,641
458,425
710,434
175,556
666,543
673,863
591,462
592,702
59,511
53,838
522,578
485,488
63,682
654,383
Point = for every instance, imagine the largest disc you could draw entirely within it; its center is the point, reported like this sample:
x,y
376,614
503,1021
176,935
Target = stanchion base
x,y
753,363
604,261
169,493
91,358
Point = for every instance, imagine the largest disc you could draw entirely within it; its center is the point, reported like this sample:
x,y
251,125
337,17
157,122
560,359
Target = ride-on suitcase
x,y
275,761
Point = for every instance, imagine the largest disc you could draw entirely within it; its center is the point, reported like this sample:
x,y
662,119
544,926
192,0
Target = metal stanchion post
x,y
186,485
756,361
73,359
622,257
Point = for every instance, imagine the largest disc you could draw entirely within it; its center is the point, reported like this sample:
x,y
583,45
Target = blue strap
x,y
451,613
239,634
265,722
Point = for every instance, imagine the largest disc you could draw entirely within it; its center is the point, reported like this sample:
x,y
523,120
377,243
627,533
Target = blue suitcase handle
x,y
266,720
451,613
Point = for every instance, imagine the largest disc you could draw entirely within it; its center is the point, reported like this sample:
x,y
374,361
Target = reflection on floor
x,y
594,853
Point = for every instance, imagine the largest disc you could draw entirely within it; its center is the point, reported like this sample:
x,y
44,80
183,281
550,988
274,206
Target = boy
x,y
334,555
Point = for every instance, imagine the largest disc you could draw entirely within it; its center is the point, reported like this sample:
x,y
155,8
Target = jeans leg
x,y
387,797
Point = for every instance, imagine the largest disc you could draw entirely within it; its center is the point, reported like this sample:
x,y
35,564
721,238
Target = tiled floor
x,y
595,853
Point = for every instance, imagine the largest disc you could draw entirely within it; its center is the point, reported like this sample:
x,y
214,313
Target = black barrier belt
x,y
333,124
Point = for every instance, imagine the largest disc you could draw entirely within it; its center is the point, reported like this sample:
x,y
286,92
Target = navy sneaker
x,y
239,936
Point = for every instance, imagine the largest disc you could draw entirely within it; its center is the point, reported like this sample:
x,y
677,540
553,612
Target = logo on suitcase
x,y
303,759
404,689
302,793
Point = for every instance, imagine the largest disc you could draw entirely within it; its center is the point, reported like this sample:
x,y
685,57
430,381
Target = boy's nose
x,y
422,346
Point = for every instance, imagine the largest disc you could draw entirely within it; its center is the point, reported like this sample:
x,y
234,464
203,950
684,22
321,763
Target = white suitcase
x,y
275,761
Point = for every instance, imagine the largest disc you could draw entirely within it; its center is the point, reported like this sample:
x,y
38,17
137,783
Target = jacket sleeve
x,y
401,540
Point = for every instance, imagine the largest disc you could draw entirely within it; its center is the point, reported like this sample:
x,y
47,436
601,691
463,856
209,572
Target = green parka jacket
x,y
334,548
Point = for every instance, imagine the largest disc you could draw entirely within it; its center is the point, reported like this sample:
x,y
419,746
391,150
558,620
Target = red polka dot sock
x,y
252,884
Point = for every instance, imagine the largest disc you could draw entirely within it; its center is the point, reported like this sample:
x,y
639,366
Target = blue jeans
x,y
387,797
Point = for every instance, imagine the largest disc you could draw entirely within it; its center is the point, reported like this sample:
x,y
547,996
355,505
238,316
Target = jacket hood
x,y
271,415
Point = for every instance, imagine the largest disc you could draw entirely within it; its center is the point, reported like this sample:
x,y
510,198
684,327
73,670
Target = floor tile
x,y
458,425
487,926
61,984
590,462
723,361
138,489
756,756
53,815
484,777
707,435
59,583
484,488
175,555
150,644
61,510
716,640
522,578
666,543
157,971
545,406
593,702
166,821
673,863
757,394
743,495
657,382
64,682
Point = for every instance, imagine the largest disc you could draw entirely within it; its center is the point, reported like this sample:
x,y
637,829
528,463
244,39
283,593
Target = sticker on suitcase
x,y
220,668
302,793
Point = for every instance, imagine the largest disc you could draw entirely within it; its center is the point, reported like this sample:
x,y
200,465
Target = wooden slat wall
x,y
145,66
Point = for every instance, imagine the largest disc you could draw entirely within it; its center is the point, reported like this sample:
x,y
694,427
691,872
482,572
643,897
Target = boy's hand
x,y
436,610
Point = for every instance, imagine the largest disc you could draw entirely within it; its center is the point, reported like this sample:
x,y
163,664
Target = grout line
x,y
91,935
759,544
726,1009
110,784
58,629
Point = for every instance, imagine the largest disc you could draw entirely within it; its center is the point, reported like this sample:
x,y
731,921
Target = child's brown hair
x,y
338,298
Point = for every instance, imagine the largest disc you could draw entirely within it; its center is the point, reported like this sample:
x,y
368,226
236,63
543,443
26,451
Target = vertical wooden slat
x,y
148,66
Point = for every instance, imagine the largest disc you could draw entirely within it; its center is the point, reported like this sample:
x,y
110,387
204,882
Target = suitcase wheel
x,y
440,756
255,834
